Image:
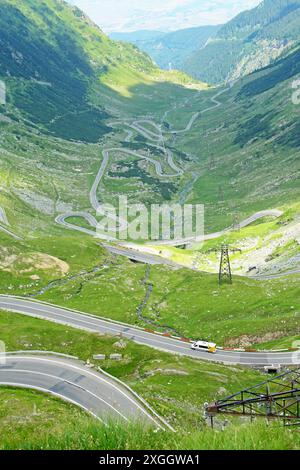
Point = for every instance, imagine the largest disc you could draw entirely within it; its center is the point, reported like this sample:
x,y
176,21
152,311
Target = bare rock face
x,y
245,341
116,357
120,344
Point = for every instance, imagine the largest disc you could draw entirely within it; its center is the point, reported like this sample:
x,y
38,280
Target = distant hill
x,y
169,50
249,42
137,37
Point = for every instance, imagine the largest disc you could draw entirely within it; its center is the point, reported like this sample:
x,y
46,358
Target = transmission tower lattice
x,y
221,196
275,398
236,223
225,273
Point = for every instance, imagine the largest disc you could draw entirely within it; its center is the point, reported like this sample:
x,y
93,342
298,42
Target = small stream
x,y
143,304
85,275
184,193
64,281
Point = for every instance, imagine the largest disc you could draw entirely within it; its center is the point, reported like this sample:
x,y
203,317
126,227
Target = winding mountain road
x,y
136,253
98,207
158,137
216,104
152,136
72,381
3,217
96,324
139,256
244,223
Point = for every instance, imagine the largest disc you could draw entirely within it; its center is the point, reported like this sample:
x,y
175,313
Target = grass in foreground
x,y
175,386
29,421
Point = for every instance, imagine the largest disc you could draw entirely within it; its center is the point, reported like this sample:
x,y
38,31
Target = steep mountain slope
x,y
170,50
65,83
250,41
59,67
249,149
93,81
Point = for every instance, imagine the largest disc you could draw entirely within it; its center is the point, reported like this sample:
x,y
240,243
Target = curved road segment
x,y
8,232
212,236
99,325
160,145
70,380
4,221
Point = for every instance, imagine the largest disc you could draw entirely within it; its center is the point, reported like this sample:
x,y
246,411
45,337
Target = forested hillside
x,y
170,50
248,42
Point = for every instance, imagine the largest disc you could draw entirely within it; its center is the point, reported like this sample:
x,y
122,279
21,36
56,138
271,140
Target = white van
x,y
204,346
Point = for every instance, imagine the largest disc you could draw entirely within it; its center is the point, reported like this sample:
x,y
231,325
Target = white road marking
x,y
60,379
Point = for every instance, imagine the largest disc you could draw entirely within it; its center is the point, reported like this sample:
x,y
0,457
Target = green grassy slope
x,y
269,247
66,81
77,273
248,157
190,304
234,157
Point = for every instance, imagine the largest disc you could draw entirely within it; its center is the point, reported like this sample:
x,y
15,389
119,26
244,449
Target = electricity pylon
x,y
236,223
225,268
221,197
211,164
274,398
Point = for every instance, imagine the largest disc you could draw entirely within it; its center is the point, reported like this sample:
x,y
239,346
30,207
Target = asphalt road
x,y
268,277
216,104
97,206
3,218
4,221
92,323
148,258
61,220
212,236
139,256
10,233
72,381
